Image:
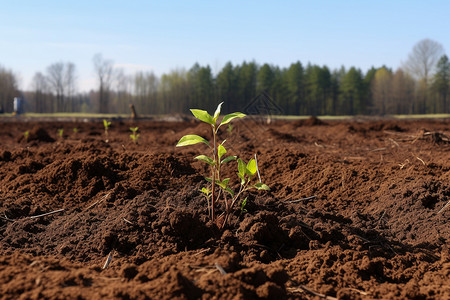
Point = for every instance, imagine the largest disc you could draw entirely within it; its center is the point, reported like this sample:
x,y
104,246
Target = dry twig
x,y
302,199
442,209
307,290
98,201
46,214
221,270
108,260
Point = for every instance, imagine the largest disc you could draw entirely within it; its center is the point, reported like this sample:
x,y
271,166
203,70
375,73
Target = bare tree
x,y
420,65
104,70
122,91
70,83
55,78
423,58
61,78
41,91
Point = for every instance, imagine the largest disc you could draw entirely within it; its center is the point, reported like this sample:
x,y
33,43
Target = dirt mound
x,y
37,134
311,121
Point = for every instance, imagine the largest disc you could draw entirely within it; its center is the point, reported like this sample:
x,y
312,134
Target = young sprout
x,y
60,132
230,129
216,160
75,130
243,204
106,124
134,136
26,135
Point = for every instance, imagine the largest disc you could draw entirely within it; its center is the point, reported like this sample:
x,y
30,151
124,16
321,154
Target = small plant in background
x,y
26,135
230,129
134,136
106,124
60,133
246,171
75,130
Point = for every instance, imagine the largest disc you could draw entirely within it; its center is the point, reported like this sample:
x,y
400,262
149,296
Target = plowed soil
x,y
356,210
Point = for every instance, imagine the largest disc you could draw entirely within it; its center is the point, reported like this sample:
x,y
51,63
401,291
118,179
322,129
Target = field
x,y
356,210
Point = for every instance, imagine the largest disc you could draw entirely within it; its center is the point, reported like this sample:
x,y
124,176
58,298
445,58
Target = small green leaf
x,y
262,186
243,204
221,151
227,119
251,167
229,158
205,191
191,139
217,112
230,191
203,115
241,167
208,179
242,178
206,159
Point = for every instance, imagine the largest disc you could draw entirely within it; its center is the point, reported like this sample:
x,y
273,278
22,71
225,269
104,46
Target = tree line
x,y
421,85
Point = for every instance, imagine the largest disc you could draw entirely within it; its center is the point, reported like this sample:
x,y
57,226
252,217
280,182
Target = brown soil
x,y
370,228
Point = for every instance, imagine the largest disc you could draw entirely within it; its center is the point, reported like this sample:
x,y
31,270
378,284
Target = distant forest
x,y
420,86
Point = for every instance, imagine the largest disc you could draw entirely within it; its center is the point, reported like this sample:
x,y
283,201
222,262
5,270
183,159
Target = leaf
x,y
221,151
229,158
206,159
229,191
242,178
227,119
217,112
241,167
251,167
205,191
244,202
262,186
203,115
191,139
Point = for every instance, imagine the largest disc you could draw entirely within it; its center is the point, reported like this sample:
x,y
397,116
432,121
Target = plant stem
x,y
213,183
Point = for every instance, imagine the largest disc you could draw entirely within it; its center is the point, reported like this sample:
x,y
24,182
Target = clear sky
x,y
160,36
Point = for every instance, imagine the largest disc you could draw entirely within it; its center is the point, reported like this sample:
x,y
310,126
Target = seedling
x,y
134,136
60,132
230,129
106,124
246,171
75,130
26,135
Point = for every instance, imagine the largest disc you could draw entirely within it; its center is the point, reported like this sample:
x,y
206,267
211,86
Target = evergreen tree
x,y
441,85
294,83
352,93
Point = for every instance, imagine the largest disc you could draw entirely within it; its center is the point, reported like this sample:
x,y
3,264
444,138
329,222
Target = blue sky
x,y
160,36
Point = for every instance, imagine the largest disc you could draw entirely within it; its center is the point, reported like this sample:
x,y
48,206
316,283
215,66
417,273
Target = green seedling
x,y
134,136
230,129
243,204
60,132
246,171
26,135
75,130
106,124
